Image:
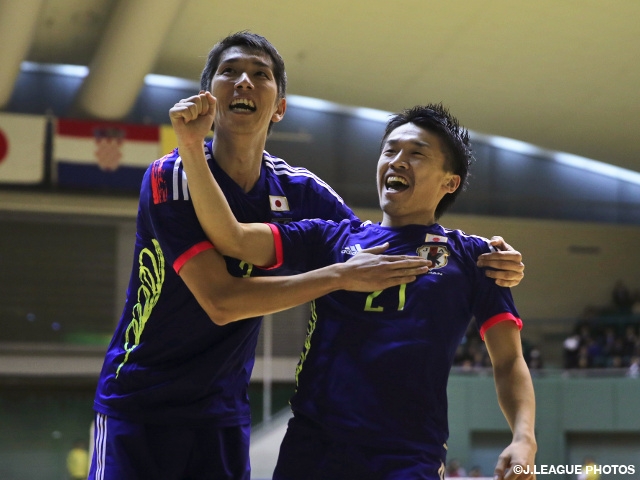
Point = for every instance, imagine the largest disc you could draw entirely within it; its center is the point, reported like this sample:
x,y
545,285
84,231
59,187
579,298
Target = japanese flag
x,y
278,204
436,238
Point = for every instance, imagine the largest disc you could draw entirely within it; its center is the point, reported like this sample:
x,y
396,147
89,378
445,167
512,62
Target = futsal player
x,y
370,399
172,398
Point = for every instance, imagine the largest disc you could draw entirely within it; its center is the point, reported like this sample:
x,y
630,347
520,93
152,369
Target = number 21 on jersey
x,y
369,304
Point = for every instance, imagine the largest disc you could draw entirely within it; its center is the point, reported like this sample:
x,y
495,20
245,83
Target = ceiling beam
x,y
18,22
127,52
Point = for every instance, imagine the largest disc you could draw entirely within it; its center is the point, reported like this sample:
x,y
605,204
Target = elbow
x,y
219,313
220,316
220,320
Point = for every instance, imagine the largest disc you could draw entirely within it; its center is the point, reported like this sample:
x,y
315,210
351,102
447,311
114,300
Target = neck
x,y
396,221
240,156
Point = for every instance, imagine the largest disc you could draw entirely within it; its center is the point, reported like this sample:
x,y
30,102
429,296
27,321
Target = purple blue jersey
x,y
167,362
375,365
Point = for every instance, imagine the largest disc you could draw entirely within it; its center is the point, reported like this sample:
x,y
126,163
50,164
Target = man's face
x,y
411,176
246,92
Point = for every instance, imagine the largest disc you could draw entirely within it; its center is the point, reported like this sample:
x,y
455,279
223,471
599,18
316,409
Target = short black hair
x,y
436,119
251,41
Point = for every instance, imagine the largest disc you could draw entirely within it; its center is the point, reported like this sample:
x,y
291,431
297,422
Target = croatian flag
x,y
22,140
103,155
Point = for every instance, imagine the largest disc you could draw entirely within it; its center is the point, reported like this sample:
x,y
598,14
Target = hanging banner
x,y
103,155
22,140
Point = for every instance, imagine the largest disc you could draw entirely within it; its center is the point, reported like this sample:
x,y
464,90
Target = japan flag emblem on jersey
x,y
278,204
436,238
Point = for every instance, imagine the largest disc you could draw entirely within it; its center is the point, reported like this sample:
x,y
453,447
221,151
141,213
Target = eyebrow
x,y
417,143
256,62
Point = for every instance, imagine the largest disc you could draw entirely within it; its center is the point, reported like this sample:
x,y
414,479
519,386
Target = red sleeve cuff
x,y
277,243
502,317
192,252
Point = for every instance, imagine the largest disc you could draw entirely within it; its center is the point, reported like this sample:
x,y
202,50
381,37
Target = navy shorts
x,y
126,450
308,453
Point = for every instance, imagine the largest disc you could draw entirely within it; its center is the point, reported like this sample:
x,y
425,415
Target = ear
x,y
452,183
281,107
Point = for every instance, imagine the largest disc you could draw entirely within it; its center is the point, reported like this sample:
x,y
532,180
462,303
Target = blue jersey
x,y
375,366
167,361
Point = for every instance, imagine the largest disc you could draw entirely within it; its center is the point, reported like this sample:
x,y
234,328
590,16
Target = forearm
x,y
251,242
517,399
211,206
250,297
226,298
192,119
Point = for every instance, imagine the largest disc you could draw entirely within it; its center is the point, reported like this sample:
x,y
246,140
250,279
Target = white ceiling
x,y
561,74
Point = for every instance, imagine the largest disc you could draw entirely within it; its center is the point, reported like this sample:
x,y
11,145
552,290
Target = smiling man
x,y
371,399
172,399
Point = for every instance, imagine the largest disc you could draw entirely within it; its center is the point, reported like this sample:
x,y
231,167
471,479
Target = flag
x,y
436,238
22,139
103,155
278,204
168,139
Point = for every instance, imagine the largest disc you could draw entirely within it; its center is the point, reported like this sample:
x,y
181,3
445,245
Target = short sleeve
x,y
169,214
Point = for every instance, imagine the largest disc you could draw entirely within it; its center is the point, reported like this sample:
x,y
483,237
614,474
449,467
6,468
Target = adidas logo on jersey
x,y
352,250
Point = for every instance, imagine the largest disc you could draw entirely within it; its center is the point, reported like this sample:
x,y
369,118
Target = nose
x,y
244,81
399,161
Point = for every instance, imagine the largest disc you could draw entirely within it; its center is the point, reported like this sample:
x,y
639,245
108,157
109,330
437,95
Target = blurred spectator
x,y
577,347
475,472
571,346
635,302
621,297
588,473
602,343
454,469
78,461
535,359
594,354
611,344
634,368
631,341
583,358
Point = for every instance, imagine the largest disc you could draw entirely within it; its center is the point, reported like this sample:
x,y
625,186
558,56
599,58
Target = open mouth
x,y
395,183
242,105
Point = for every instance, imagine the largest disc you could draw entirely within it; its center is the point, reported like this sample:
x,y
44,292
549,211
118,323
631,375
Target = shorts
x,y
308,453
127,450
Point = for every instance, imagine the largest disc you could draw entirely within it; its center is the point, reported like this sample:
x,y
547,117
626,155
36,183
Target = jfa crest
x,y
437,254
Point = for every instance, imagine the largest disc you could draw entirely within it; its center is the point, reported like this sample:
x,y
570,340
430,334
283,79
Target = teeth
x,y
395,181
243,103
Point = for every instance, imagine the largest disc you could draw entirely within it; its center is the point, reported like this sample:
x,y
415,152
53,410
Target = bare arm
x,y
191,120
516,398
226,298
507,263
